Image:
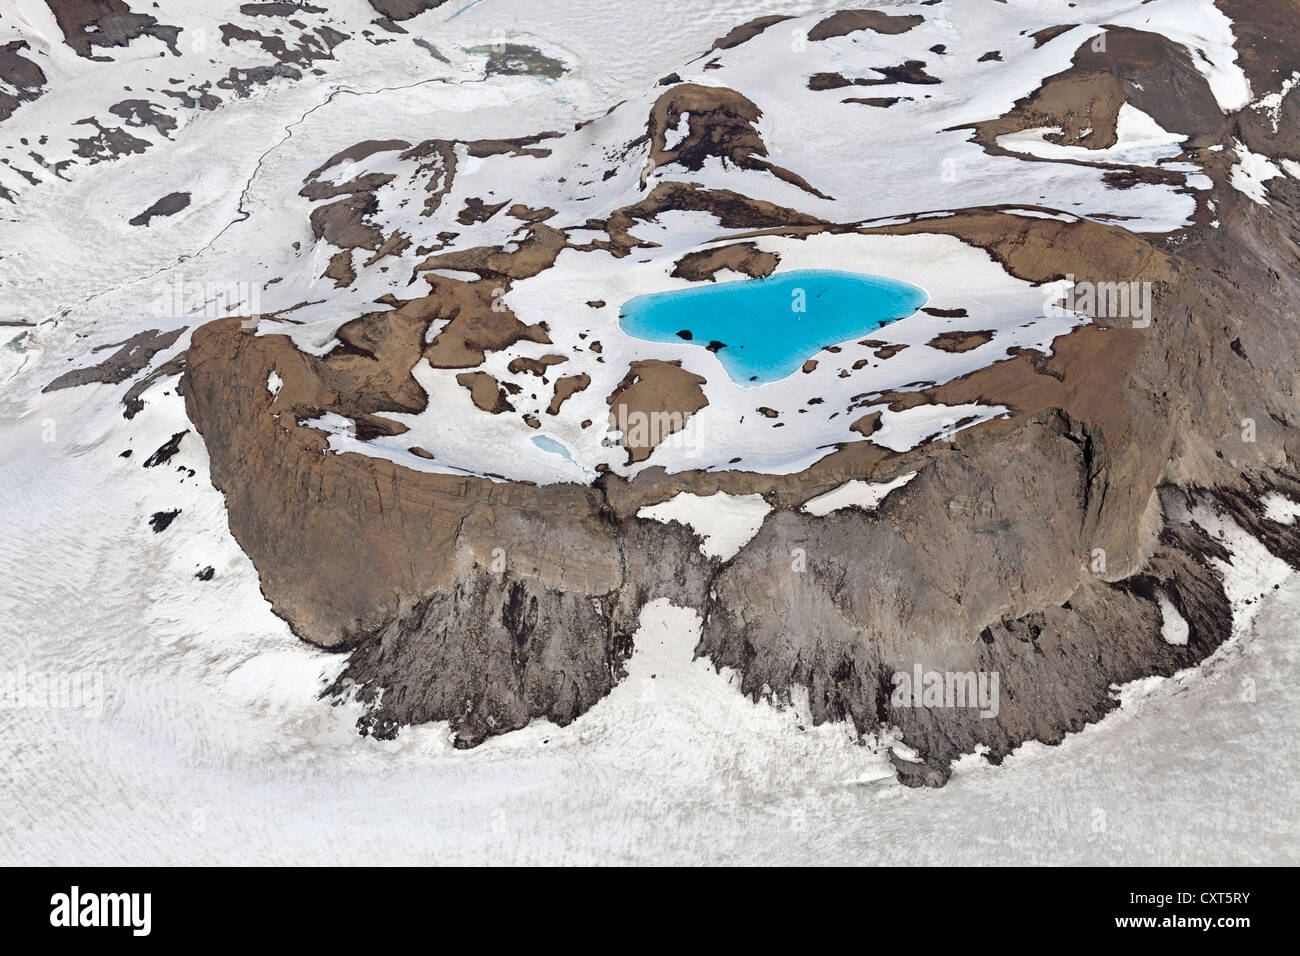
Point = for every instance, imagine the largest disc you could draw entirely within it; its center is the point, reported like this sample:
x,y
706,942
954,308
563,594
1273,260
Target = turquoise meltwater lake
x,y
763,329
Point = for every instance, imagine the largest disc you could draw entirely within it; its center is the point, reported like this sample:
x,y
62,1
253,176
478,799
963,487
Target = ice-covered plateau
x,y
381,254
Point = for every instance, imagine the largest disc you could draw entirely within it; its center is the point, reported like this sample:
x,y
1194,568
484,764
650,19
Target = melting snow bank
x,y
1173,626
1251,172
1139,141
855,494
725,523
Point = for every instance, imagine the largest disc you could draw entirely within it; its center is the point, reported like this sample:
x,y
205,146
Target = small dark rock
x,y
165,452
161,519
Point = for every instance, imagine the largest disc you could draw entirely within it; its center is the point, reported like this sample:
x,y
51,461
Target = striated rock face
x,y
1040,546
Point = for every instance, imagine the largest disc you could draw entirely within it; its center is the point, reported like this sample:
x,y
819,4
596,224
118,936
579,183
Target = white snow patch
x,y
1139,141
274,382
1173,626
901,431
855,494
726,522
1272,103
1279,508
1251,172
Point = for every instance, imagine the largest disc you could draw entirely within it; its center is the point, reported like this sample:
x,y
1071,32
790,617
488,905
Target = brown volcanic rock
x,y
721,123
960,341
850,21
129,358
485,392
745,32
732,210
479,323
743,257
404,9
537,366
87,24
343,223
20,74
400,533
565,388
1154,74
451,588
653,401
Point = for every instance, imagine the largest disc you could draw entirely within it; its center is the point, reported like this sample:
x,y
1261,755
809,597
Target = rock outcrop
x,y
487,603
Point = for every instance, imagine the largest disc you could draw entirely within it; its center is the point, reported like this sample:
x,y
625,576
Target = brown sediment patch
x,y
535,366
743,257
394,245
911,72
565,388
87,24
404,9
436,160
168,205
867,425
958,341
732,210
884,102
476,210
107,143
319,190
743,33
528,214
478,323
535,253
343,223
369,427
485,392
1048,34
21,75
653,401
141,112
943,313
845,22
1084,106
340,269
721,123
357,152
129,358
1147,70
1044,250
808,366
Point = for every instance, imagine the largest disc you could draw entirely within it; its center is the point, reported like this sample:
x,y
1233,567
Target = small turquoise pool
x,y
551,445
763,329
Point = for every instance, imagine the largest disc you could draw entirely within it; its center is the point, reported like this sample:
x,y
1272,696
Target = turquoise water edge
x,y
763,329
